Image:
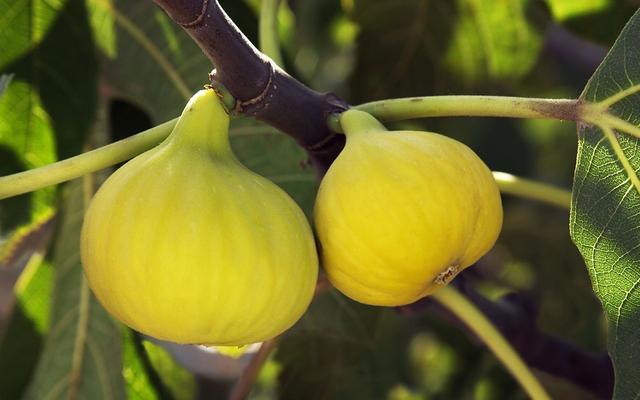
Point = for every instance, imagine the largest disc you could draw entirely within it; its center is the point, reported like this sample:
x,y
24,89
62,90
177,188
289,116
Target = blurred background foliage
x,y
76,73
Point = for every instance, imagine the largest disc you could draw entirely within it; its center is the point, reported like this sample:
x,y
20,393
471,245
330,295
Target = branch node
x,y
259,101
199,18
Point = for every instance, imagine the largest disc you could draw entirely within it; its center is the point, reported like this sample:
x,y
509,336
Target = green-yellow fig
x,y
400,213
184,243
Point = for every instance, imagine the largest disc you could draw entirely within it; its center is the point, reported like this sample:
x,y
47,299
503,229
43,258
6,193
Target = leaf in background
x,y
277,157
584,17
23,24
45,112
341,349
320,40
103,25
418,47
138,384
82,356
563,9
175,379
151,372
63,70
156,64
26,141
605,212
22,338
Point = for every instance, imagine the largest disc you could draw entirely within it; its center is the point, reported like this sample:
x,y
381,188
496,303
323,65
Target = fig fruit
x,y
400,213
184,243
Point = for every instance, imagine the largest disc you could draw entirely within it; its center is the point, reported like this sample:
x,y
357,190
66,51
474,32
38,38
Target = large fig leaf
x,y
82,352
605,212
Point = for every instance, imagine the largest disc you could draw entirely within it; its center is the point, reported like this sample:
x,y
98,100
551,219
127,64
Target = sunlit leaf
x,y
23,24
102,22
563,9
44,114
26,141
605,214
63,72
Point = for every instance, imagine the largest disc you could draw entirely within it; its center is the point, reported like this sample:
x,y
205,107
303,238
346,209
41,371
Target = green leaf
x,y
605,214
21,346
138,383
23,24
63,71
26,141
22,339
151,61
584,17
152,373
176,379
45,113
103,25
155,64
82,352
342,350
277,157
416,47
563,9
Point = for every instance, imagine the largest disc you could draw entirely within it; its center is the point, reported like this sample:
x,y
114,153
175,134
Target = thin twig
x,y
515,316
243,387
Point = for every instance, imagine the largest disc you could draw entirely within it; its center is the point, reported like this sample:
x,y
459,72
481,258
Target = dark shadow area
x,y
19,351
126,119
14,211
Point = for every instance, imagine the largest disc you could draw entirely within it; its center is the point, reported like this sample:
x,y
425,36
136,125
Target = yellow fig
x,y
400,213
185,244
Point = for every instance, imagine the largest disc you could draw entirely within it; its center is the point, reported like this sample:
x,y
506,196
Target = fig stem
x,y
468,106
70,168
530,189
268,27
355,122
468,313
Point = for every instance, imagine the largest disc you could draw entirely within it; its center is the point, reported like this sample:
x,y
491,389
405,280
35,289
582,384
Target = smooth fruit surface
x,y
185,244
400,213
